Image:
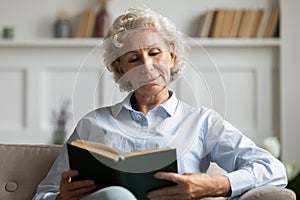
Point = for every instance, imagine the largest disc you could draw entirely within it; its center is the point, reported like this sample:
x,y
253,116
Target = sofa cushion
x,y
23,167
269,193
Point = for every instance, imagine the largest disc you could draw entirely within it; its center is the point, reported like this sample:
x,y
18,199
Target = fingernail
x,y
157,175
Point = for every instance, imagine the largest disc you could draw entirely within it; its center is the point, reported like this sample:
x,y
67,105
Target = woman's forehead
x,y
143,40
136,39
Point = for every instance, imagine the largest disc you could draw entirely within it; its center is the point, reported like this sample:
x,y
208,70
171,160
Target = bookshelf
x,y
92,42
215,42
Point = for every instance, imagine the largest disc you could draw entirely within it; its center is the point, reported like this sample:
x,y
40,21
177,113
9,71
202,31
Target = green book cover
x,y
136,173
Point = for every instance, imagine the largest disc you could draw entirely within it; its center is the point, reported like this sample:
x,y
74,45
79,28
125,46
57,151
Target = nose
x,y
147,63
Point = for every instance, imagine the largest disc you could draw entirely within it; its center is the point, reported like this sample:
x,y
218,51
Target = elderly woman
x,y
145,52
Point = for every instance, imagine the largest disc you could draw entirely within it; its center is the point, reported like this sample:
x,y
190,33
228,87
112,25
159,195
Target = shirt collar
x,y
116,109
169,106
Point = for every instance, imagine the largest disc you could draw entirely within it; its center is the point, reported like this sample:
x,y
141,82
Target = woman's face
x,y
147,63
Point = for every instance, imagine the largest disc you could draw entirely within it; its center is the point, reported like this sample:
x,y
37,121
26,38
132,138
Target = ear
x,y
173,58
173,55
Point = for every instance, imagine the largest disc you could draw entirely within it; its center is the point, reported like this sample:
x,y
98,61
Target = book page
x,y
141,152
97,147
102,149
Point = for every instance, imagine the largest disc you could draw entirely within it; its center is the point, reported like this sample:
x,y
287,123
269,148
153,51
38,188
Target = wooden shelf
x,y
51,43
233,42
207,42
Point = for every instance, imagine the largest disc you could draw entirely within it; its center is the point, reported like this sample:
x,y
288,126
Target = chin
x,y
151,88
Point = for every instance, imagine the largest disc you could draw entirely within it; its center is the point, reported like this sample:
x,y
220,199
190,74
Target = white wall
x,y
34,18
290,78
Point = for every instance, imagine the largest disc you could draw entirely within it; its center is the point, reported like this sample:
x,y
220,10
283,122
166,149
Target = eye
x,y
133,59
154,52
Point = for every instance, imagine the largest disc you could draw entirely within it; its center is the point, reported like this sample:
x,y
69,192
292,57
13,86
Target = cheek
x,y
166,61
164,67
125,69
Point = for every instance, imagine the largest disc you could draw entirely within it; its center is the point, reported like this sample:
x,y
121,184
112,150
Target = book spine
x,y
217,23
239,23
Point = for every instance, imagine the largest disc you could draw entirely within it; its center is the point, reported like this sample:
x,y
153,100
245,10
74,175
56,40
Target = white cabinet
x,y
234,77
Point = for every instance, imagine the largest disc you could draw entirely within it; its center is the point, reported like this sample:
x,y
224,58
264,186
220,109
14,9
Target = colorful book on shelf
x,y
236,23
249,24
86,22
134,171
206,23
201,23
81,25
254,23
227,23
273,23
91,16
218,21
262,27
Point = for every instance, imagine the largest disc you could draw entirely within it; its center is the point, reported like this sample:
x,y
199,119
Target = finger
x,y
65,175
166,191
70,173
78,193
170,176
80,184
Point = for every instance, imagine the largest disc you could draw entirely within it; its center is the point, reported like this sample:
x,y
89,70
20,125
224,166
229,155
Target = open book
x,y
134,170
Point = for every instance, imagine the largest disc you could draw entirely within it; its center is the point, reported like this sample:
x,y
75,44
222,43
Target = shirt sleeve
x,y
248,165
48,189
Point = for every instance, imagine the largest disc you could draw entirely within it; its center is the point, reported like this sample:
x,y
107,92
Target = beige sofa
x,y
22,168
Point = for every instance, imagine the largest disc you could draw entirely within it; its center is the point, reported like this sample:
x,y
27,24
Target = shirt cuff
x,y
240,182
48,196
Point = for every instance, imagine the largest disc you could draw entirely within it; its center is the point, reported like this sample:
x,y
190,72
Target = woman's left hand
x,y
191,186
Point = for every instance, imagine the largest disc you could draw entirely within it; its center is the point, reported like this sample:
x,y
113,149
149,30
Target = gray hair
x,y
140,18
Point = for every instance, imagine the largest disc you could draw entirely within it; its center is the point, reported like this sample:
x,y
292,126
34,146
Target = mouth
x,y
150,81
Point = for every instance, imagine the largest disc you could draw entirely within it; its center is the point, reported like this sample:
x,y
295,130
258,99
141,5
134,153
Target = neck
x,y
144,103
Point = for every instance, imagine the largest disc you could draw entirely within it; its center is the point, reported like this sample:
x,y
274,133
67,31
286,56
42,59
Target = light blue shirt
x,y
199,135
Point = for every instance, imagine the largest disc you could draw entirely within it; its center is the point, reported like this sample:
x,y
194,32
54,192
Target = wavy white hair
x,y
135,19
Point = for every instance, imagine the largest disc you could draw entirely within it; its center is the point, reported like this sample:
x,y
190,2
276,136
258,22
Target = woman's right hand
x,y
74,190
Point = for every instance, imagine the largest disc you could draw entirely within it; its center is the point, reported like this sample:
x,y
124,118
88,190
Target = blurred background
x,y
51,71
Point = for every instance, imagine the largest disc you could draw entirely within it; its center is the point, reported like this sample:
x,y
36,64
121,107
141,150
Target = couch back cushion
x,y
23,167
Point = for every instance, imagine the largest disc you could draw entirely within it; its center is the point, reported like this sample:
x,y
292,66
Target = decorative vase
x,y
62,26
60,118
102,21
59,135
8,32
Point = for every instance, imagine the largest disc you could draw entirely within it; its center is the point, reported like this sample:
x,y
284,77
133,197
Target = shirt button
x,y
139,119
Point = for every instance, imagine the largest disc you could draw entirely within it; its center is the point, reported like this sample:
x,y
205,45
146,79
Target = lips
x,y
153,80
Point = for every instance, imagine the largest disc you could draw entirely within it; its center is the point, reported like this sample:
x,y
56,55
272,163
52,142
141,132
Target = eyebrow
x,y
149,47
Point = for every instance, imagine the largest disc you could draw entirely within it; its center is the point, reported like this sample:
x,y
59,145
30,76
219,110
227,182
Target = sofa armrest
x,y
261,193
269,192
23,167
